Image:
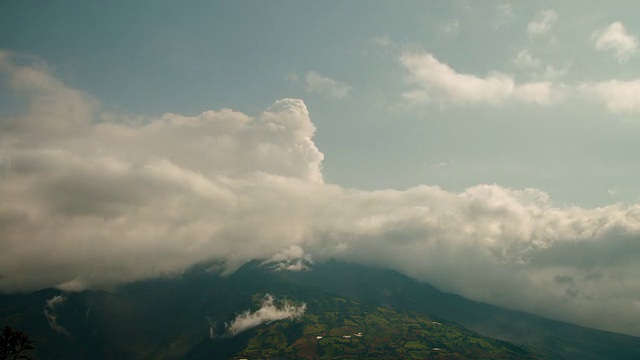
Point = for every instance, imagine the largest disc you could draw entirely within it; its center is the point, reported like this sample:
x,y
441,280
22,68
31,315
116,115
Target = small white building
x,y
318,337
346,336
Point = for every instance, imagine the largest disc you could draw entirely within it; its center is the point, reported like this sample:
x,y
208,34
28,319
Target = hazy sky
x,y
489,148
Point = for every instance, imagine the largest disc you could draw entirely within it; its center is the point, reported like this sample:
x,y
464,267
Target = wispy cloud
x,y
504,15
52,317
526,60
616,39
450,27
542,23
382,41
326,86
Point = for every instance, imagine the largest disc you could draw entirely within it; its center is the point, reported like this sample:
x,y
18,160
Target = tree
x,y
14,345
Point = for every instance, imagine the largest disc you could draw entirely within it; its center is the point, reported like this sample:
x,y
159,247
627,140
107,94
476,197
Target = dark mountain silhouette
x,y
173,318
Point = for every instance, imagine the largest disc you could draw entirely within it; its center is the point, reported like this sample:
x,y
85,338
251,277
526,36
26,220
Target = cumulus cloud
x,y
326,86
435,81
268,312
542,23
615,38
102,200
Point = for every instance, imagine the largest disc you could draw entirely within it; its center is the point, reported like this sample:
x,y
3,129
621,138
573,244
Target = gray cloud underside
x,y
92,200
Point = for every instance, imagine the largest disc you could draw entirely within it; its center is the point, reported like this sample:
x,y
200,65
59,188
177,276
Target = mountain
x,y
337,328
394,290
185,316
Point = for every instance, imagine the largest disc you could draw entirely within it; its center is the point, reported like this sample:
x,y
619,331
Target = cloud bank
x,y
268,312
93,200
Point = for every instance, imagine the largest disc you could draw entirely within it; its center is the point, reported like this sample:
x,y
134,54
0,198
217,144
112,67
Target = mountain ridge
x,y
167,317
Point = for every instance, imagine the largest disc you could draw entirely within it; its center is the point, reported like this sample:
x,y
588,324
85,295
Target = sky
x,y
488,148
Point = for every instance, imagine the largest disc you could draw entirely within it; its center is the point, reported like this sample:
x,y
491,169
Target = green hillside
x,y
351,330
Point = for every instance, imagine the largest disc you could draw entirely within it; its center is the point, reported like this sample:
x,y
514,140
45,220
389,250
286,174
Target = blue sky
x,y
140,138
157,57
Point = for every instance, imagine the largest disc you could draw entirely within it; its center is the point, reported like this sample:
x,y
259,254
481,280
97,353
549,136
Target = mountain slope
x,y
336,328
175,318
391,289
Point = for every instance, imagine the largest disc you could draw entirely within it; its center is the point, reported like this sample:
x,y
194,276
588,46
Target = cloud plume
x,y
52,317
268,312
93,200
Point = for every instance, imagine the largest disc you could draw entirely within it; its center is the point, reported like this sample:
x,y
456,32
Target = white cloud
x,y
540,93
526,60
290,259
542,23
435,81
618,96
551,73
269,311
325,86
615,38
103,201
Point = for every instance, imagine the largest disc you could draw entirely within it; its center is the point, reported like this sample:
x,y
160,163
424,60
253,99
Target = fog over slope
x,y
92,199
